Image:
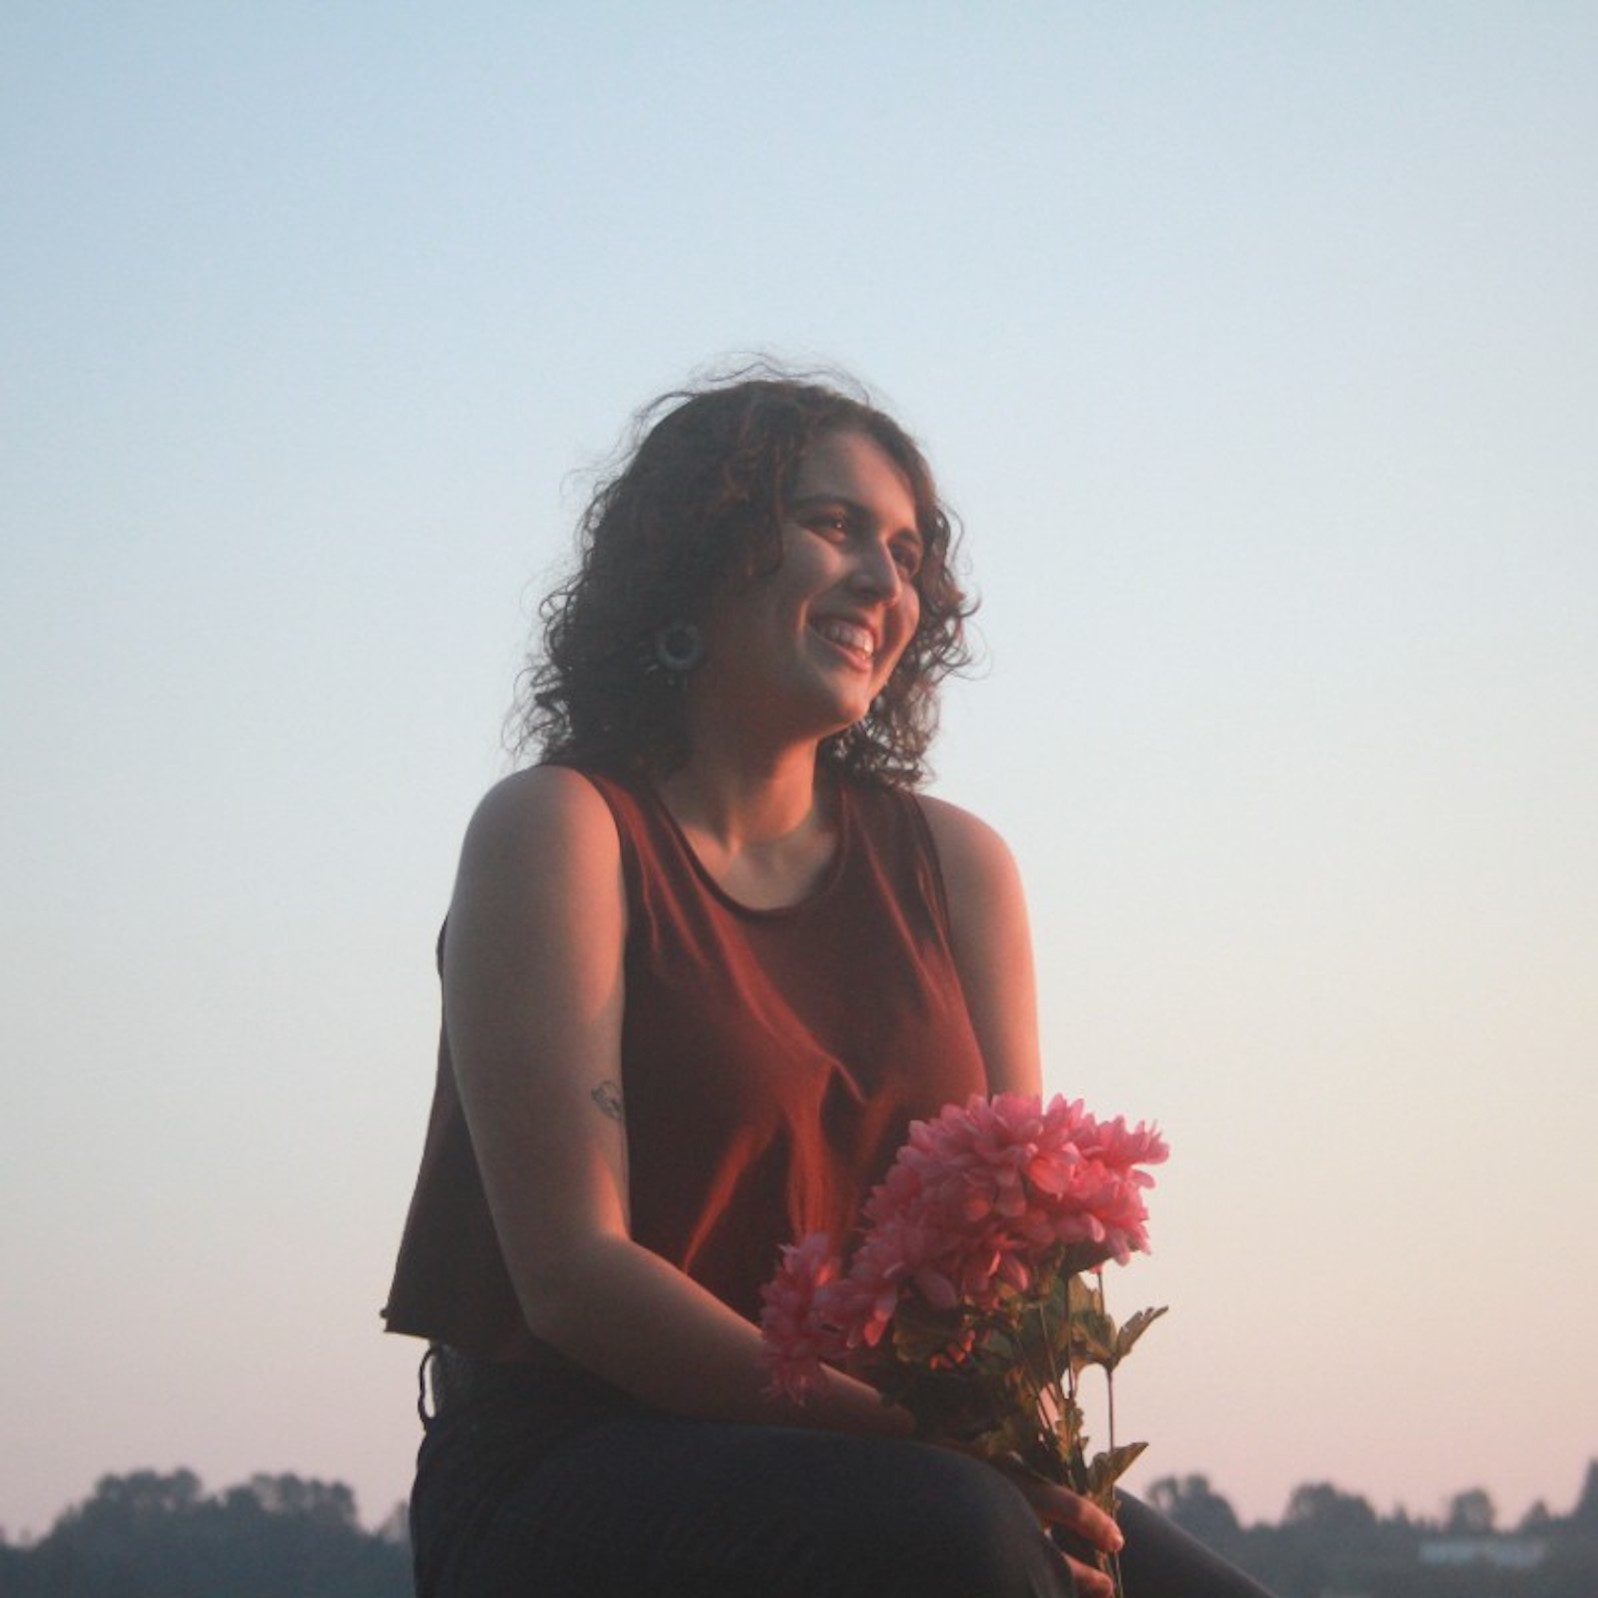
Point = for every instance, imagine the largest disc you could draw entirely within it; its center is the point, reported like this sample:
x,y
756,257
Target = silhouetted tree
x,y
1584,1517
148,1535
327,1503
1471,1513
1325,1509
1536,1519
1327,1540
395,1527
14,1571
1401,1521
1198,1510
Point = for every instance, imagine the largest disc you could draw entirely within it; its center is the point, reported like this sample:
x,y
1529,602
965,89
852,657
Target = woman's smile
x,y
858,643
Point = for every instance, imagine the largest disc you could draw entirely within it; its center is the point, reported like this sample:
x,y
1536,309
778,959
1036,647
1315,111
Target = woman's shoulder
x,y
539,808
972,868
969,850
991,941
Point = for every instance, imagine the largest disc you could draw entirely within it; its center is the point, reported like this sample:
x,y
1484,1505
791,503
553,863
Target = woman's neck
x,y
759,826
742,797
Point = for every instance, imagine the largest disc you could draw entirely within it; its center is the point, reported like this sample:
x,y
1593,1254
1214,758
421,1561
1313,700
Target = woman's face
x,y
806,649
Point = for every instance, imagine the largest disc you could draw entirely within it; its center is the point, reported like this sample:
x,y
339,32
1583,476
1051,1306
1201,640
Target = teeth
x,y
849,636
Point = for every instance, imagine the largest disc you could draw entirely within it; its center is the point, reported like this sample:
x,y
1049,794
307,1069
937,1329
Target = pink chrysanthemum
x,y
979,1195
793,1316
959,1301
978,1203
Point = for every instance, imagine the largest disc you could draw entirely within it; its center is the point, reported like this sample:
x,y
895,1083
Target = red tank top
x,y
772,1061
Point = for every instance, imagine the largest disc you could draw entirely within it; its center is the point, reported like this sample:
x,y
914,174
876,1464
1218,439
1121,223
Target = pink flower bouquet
x,y
974,1294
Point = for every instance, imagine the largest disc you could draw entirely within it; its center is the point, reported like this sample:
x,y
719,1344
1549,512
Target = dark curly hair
x,y
694,511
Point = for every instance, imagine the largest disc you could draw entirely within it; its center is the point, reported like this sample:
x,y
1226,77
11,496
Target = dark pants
x,y
555,1486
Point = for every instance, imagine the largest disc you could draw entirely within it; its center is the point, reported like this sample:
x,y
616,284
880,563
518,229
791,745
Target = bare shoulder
x,y
537,920
975,859
992,943
537,810
541,849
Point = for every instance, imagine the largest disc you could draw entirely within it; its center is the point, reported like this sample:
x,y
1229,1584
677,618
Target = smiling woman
x,y
706,505
705,964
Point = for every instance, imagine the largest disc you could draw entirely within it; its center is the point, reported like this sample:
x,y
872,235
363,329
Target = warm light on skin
x,y
804,650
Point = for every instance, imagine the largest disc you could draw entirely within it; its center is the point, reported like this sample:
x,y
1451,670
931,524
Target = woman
x,y
702,967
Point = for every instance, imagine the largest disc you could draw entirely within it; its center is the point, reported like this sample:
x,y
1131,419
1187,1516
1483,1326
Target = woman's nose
x,y
877,573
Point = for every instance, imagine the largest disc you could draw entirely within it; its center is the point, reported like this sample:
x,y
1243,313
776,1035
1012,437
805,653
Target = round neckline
x,y
778,912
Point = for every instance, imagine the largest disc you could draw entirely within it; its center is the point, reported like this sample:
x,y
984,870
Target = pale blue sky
x,y
1257,344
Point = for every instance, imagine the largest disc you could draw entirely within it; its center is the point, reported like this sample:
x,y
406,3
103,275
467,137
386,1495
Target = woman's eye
x,y
907,557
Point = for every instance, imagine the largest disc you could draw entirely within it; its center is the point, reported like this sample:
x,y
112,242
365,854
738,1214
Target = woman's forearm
x,y
639,1323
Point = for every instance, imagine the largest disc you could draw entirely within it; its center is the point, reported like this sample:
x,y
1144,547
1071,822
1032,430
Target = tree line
x,y
155,1535
1333,1542
159,1535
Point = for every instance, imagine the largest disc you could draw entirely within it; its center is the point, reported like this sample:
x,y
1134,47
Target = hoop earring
x,y
678,649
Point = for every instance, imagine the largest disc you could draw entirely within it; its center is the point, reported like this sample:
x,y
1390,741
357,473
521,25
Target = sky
x,y
1256,344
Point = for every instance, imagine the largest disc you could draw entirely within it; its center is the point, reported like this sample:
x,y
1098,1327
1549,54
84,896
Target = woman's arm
x,y
993,954
992,944
533,996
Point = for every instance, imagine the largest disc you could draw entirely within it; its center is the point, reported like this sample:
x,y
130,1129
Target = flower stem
x,y
1109,1427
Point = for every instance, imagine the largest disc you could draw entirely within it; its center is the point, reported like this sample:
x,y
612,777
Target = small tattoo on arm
x,y
608,1097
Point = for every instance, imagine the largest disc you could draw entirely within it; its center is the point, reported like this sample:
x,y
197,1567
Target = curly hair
x,y
694,511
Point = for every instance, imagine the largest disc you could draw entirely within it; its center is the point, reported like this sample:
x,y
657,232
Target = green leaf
x,y
921,1334
1107,1469
1133,1329
1068,1428
1057,1299
1084,1295
1111,1465
1092,1339
1001,1343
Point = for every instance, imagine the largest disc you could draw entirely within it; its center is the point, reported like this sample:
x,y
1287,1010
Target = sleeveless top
x,y
772,1061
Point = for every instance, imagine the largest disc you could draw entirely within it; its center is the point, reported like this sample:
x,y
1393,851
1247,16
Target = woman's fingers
x,y
1059,1506
1083,1522
1090,1581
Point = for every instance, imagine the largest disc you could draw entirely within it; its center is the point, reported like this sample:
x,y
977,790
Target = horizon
x,y
1255,348
374,1523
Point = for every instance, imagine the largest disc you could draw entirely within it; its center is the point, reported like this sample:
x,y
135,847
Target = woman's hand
x,y
1087,1526
1073,1521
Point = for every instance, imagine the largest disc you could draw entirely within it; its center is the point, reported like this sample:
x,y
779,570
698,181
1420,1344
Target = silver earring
x,y
678,649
